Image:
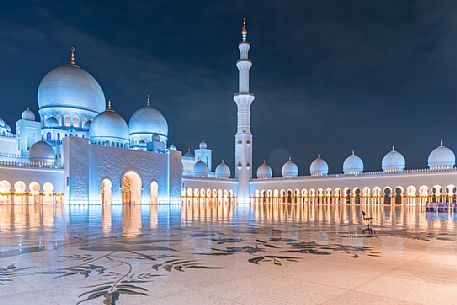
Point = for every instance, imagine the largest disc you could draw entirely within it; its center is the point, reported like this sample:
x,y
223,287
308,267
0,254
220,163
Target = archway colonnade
x,y
208,194
19,192
131,189
364,195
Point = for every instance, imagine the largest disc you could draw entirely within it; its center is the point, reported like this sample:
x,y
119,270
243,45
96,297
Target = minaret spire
x,y
244,30
72,58
243,136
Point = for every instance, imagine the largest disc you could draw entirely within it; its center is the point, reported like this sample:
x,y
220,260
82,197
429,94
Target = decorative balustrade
x,y
27,164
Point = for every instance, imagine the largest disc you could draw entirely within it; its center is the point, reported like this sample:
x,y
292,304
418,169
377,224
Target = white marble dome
x,y
200,169
70,86
41,152
441,158
393,161
289,169
148,121
318,167
222,170
51,123
173,147
203,145
28,115
353,165
264,171
109,126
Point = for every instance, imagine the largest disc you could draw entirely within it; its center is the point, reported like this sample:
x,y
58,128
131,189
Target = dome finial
x,y
72,59
264,161
108,107
222,161
244,30
318,156
353,152
393,147
148,100
290,158
441,143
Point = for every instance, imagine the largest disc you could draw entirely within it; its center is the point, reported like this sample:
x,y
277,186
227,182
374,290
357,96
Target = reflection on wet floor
x,y
112,248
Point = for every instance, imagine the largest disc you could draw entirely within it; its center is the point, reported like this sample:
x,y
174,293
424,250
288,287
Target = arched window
x,y
83,122
75,121
48,136
67,121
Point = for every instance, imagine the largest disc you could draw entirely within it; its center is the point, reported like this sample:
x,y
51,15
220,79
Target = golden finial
x,y
290,158
441,142
264,161
393,147
72,59
353,153
148,101
244,30
222,161
318,156
108,107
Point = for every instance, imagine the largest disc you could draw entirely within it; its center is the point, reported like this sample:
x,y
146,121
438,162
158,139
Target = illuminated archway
x,y
154,192
131,188
106,191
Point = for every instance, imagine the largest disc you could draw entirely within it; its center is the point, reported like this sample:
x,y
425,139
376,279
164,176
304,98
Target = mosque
x,y
80,150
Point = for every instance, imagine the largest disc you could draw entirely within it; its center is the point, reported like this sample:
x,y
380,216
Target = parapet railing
x,y
27,164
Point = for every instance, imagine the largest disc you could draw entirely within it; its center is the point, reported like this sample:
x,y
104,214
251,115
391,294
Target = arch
x,y
19,187
399,193
304,192
154,192
83,122
106,191
76,122
423,190
189,193
48,188
269,193
275,193
220,194
131,188
387,193
34,188
67,121
5,186
209,193
356,194
411,191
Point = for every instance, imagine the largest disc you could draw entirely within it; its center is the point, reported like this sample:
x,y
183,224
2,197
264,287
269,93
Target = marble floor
x,y
216,253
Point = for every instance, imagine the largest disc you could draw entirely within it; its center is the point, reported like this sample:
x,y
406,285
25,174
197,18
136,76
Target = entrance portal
x,y
131,188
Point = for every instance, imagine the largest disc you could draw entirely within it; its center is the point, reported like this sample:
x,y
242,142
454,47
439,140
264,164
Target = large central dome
x,y
70,86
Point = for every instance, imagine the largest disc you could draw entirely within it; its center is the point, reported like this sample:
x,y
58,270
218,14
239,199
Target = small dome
x,y
393,161
353,165
222,170
70,86
318,167
147,121
289,169
28,115
441,158
173,147
189,154
42,152
2,122
203,145
264,171
200,169
51,123
109,126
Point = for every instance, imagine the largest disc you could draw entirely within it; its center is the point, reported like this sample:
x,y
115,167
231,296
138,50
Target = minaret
x,y
243,136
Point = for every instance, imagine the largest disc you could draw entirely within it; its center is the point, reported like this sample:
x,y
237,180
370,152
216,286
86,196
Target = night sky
x,y
329,76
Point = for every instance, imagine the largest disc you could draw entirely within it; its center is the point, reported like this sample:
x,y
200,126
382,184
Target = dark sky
x,y
329,76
